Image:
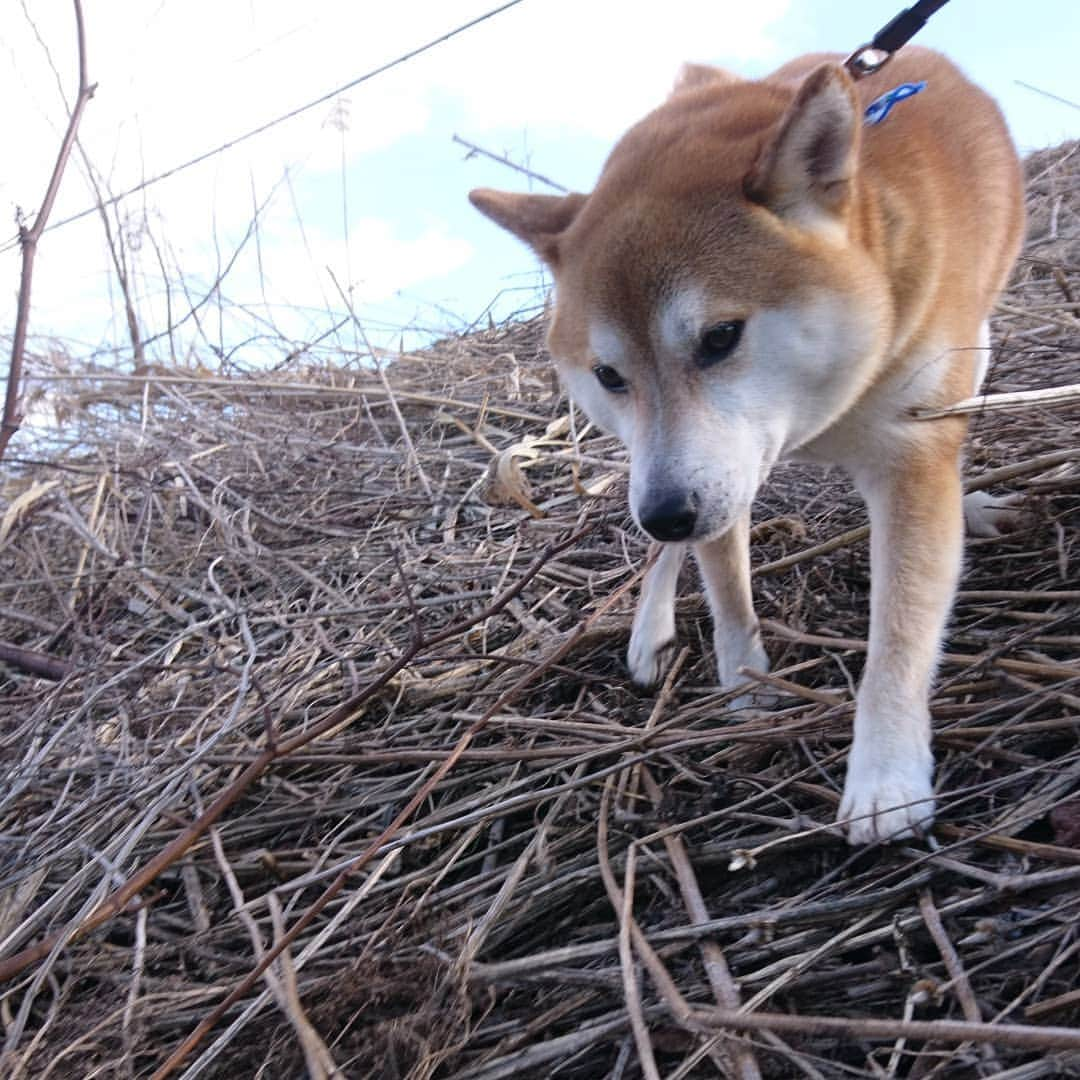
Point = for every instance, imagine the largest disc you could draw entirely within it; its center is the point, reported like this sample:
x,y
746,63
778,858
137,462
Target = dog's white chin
x,y
715,519
715,524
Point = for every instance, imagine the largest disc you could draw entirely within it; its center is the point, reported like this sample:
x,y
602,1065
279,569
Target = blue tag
x,y
877,110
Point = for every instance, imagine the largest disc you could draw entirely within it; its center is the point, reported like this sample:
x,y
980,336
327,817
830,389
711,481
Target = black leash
x,y
871,57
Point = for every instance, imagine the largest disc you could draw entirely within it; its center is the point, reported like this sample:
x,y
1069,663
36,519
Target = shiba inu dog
x,y
787,269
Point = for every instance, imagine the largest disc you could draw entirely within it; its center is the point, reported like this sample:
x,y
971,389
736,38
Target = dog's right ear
x,y
806,172
539,220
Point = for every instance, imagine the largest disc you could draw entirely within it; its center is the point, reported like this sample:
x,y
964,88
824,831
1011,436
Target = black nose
x,y
670,518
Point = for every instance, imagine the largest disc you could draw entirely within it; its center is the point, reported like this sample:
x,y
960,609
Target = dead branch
x,y
34,662
1025,1036
28,241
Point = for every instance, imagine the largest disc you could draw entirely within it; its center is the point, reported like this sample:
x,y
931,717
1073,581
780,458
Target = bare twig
x,y
955,968
34,662
502,159
1017,401
1019,1036
28,241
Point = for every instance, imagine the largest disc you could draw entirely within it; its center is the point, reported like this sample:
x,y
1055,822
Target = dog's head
x,y
715,306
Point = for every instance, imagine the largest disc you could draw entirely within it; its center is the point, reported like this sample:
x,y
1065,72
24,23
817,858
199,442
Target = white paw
x,y
886,801
735,650
759,698
650,653
990,515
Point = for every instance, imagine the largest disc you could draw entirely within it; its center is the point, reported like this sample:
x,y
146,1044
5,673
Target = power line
x,y
396,62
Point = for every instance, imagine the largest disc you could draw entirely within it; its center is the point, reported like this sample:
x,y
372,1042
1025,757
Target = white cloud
x,y
178,77
594,67
384,263
175,79
378,261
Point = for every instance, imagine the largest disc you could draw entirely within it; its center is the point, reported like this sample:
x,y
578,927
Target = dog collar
x,y
878,109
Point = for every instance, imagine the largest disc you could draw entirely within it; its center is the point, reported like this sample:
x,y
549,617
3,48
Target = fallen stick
x,y
1018,1036
35,663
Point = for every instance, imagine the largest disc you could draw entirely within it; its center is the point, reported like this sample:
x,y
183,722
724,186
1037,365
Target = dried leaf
x,y
22,503
507,484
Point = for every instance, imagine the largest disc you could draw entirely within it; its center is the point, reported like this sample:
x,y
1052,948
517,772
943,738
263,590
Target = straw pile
x,y
329,663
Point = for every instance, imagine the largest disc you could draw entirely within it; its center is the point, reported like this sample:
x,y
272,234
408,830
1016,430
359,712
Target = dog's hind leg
x,y
992,515
916,539
986,514
652,638
725,571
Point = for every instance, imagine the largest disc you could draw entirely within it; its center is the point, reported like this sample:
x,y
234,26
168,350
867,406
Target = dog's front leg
x,y
916,523
725,571
652,638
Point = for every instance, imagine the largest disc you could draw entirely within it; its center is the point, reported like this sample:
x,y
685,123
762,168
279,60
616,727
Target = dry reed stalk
x,y
1015,1035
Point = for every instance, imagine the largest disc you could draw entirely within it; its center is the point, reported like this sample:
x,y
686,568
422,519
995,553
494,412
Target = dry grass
x,y
534,870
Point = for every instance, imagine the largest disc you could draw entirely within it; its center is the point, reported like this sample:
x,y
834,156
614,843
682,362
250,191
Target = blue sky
x,y
382,203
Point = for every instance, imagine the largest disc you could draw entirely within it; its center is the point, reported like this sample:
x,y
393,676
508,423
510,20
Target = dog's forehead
x,y
656,271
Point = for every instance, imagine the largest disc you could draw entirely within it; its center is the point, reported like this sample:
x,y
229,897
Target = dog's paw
x,y
647,658
992,515
887,802
741,650
759,698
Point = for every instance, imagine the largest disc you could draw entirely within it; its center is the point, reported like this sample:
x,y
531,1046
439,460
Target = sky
x,y
360,203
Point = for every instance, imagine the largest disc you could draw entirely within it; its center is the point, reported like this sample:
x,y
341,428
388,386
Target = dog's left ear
x,y
539,220
805,172
695,76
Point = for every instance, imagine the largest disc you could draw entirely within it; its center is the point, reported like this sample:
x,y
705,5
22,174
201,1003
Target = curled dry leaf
x,y
507,483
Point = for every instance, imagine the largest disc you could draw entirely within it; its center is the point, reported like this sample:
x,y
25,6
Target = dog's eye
x,y
717,342
610,379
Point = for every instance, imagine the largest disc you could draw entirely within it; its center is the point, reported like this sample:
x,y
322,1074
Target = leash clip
x,y
896,33
866,59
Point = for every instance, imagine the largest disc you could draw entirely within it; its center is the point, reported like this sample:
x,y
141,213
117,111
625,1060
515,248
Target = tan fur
x,y
771,203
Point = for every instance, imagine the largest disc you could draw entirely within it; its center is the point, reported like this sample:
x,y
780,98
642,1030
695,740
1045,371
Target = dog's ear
x,y
537,219
805,172
695,76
